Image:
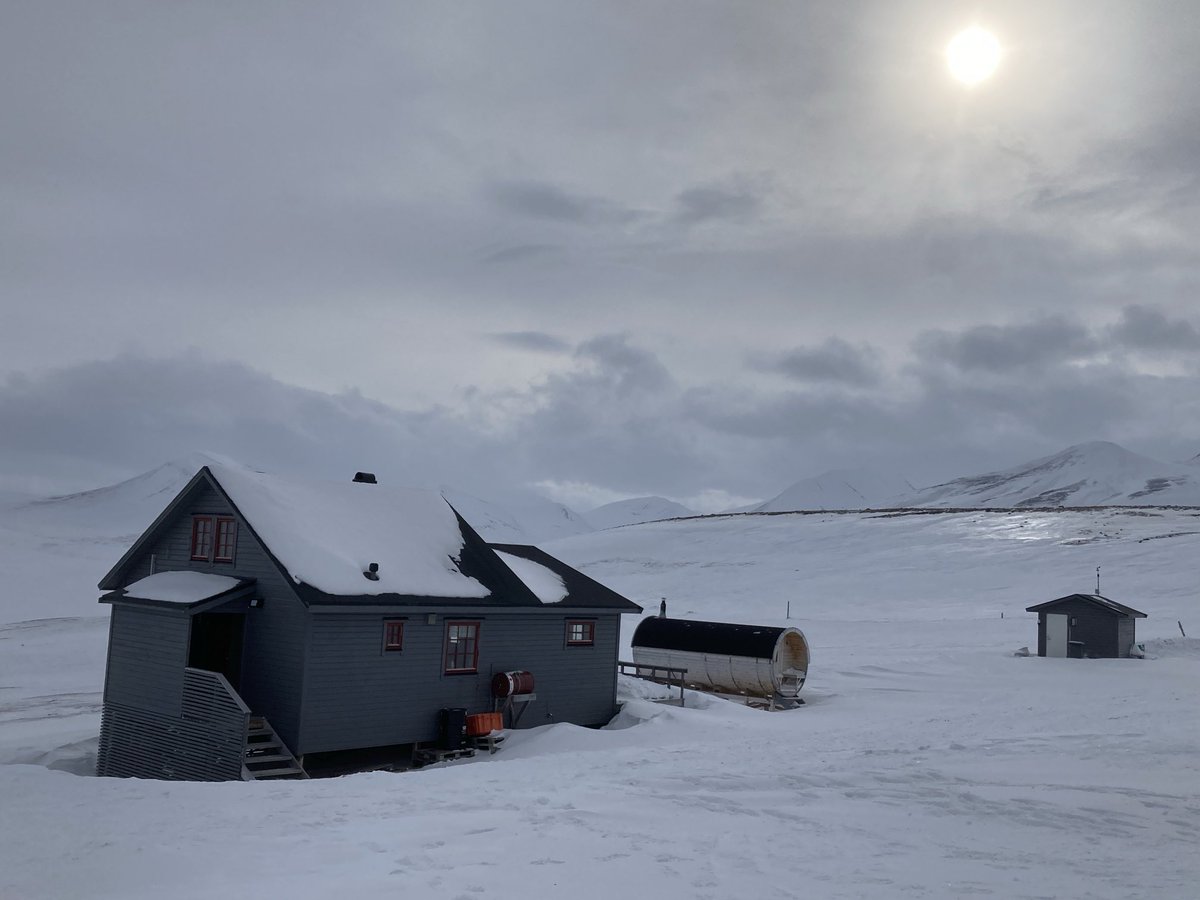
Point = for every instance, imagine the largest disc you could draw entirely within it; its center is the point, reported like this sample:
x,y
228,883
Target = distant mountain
x,y
521,519
1098,473
636,510
128,506
840,489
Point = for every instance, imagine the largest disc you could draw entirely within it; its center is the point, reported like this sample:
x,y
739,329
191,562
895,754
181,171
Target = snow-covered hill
x,y
1092,474
636,510
928,761
118,509
517,519
839,489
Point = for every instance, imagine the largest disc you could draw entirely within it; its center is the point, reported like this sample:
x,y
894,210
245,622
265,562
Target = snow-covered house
x,y
1086,625
261,620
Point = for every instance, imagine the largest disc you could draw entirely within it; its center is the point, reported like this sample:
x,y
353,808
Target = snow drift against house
x,y
326,534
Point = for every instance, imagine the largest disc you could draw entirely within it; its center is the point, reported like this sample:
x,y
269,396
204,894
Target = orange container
x,y
484,723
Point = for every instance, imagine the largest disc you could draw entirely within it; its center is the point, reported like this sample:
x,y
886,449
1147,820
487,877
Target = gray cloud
x,y
1146,328
833,362
709,202
357,198
534,341
610,417
518,253
1003,348
539,200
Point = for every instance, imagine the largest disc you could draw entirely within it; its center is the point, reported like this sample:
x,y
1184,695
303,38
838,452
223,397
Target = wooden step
x,y
271,758
264,748
281,772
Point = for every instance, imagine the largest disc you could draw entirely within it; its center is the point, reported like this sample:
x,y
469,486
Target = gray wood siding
x,y
358,695
1126,635
273,652
146,656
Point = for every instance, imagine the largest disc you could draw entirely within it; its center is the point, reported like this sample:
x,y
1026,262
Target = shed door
x,y
1056,635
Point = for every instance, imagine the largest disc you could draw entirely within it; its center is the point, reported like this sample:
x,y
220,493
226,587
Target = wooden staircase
x,y
267,757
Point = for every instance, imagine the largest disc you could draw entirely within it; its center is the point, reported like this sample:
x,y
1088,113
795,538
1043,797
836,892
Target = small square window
x,y
462,648
581,633
393,635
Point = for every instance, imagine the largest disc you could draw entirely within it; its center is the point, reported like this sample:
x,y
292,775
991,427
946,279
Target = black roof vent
x,y
365,478
372,573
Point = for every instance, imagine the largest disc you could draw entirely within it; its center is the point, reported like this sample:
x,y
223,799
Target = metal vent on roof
x,y
365,478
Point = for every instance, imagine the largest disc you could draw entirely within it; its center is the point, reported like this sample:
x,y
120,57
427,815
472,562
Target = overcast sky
x,y
693,249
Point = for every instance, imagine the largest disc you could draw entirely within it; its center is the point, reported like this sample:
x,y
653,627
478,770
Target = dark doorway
x,y
216,644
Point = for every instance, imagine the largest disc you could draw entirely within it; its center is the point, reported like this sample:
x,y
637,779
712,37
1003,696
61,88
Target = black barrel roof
x,y
722,638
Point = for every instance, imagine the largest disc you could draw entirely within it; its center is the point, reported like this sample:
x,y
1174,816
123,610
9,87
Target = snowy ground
x,y
928,761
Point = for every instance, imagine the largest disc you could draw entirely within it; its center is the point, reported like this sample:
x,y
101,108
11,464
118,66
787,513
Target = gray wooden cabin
x,y
1085,625
259,620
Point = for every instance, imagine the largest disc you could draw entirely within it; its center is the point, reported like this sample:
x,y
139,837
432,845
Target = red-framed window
x,y
581,632
393,635
226,539
214,538
462,647
202,537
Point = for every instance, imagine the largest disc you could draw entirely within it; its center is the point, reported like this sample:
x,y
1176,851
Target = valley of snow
x,y
927,762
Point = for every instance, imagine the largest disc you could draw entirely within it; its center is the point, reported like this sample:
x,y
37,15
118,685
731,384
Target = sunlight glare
x,y
973,55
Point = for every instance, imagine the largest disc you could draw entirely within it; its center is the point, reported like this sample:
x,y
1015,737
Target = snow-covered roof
x,y
185,587
1095,599
549,578
546,585
326,534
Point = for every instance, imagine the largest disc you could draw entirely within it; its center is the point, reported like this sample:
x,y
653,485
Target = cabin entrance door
x,y
216,644
1057,633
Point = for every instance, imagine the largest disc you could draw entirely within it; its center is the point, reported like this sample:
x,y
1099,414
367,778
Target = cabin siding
x,y
359,695
1125,636
147,653
273,657
206,742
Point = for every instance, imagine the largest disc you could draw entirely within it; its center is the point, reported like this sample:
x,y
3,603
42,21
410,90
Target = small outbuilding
x,y
1085,626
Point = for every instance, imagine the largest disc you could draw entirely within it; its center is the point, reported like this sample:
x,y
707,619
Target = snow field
x,y
928,762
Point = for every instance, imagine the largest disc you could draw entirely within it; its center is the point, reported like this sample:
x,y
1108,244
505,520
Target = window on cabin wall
x,y
393,635
581,633
214,538
462,648
226,539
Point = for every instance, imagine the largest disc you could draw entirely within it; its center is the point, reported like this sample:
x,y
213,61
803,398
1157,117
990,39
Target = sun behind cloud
x,y
973,55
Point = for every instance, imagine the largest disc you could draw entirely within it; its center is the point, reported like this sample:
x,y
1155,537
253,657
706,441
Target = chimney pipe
x,y
365,478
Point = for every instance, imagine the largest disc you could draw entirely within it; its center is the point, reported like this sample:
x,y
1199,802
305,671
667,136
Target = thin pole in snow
x,y
1181,631
789,612
1097,581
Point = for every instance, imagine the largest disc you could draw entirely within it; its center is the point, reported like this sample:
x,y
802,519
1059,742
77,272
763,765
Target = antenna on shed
x,y
1097,581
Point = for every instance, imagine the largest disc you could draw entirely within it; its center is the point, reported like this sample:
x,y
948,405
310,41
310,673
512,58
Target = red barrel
x,y
505,684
